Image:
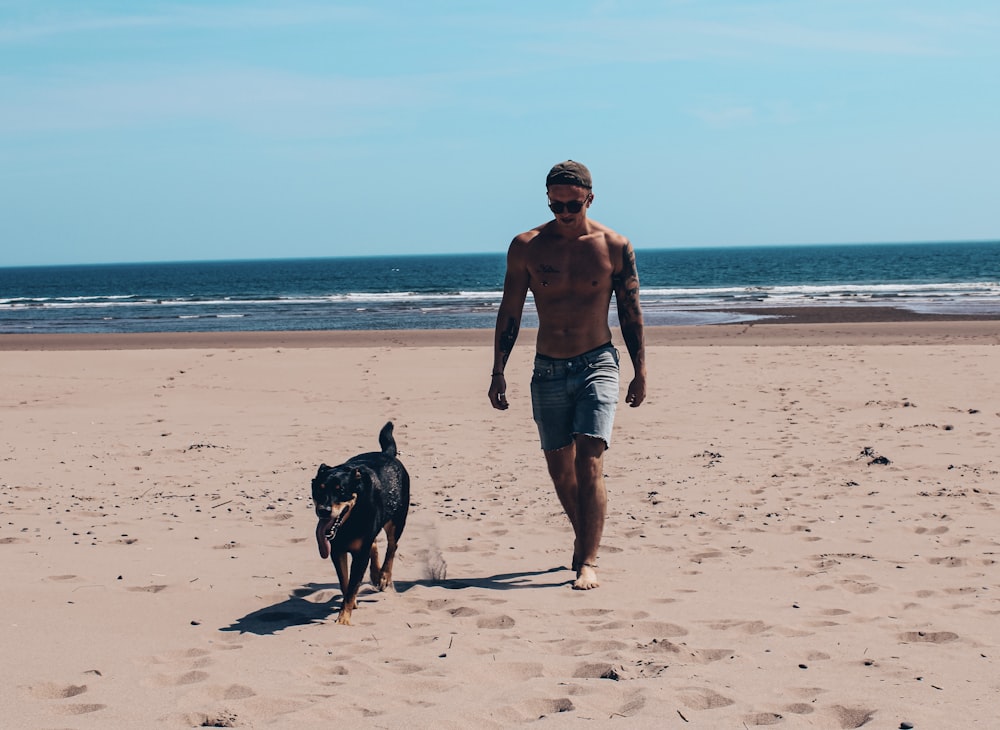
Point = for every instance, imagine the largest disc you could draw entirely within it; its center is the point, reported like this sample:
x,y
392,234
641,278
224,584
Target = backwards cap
x,y
569,173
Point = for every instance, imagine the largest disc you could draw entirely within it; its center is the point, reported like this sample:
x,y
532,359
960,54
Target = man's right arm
x,y
515,292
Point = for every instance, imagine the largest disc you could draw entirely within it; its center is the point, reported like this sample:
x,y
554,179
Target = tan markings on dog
x,y
328,525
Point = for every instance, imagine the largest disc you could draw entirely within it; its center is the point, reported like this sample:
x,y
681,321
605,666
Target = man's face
x,y
568,202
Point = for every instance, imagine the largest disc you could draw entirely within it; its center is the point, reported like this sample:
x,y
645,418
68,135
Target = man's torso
x,y
571,280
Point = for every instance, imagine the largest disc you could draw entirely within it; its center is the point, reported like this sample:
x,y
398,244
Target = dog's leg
x,y
374,571
384,581
340,563
359,561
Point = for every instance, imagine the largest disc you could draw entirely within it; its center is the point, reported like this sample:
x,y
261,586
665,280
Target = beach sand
x,y
802,532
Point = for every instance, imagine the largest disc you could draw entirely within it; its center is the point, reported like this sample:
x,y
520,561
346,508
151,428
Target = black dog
x,y
353,502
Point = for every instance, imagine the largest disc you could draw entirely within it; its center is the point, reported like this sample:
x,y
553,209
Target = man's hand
x,y
498,392
636,392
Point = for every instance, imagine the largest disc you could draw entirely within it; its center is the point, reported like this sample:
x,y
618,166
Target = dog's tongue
x,y
321,539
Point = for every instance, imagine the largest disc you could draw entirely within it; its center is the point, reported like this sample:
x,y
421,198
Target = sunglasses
x,y
573,206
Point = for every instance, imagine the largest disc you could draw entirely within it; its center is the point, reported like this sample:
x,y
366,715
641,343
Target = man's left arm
x,y
626,285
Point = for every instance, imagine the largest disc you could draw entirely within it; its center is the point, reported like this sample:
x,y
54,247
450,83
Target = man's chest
x,y
567,269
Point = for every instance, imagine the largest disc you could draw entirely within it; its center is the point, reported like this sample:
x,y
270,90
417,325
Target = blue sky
x,y
155,131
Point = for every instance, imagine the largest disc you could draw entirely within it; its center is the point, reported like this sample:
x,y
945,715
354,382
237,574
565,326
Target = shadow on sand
x,y
298,610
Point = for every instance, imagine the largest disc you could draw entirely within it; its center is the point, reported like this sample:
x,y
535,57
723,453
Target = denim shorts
x,y
577,395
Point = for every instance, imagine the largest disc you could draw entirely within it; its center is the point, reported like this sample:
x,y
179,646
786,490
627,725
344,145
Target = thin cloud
x,y
180,18
248,99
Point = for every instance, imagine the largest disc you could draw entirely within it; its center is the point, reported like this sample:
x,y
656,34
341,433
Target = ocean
x,y
678,287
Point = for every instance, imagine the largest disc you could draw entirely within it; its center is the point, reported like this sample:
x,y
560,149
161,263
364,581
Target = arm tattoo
x,y
628,264
508,337
629,310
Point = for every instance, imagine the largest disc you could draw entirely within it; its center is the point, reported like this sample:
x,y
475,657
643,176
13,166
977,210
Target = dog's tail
x,y
386,441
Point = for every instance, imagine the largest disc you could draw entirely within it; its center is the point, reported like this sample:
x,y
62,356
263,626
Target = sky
x,y
217,129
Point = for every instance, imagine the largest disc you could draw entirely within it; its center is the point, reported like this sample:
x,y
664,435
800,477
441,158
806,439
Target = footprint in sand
x,y
80,709
590,611
962,591
660,628
834,612
194,660
632,705
852,717
221,719
181,654
596,671
495,622
53,691
858,586
698,656
232,692
699,557
759,719
928,637
537,709
702,698
746,627
180,680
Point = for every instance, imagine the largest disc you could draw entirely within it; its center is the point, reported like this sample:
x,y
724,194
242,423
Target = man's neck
x,y
572,231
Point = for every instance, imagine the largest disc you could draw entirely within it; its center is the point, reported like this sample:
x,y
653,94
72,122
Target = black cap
x,y
569,173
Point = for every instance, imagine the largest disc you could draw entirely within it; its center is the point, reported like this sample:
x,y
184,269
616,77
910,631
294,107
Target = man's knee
x,y
589,447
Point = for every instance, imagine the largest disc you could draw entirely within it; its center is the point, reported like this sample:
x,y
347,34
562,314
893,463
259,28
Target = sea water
x,y
678,287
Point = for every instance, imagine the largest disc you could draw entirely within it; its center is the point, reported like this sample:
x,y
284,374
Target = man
x,y
572,265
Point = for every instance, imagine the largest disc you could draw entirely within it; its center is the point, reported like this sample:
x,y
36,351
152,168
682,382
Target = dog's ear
x,y
361,478
320,474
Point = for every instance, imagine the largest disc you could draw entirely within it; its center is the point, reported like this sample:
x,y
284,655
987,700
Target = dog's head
x,y
335,493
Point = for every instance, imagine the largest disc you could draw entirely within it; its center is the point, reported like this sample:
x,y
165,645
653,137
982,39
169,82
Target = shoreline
x,y
815,325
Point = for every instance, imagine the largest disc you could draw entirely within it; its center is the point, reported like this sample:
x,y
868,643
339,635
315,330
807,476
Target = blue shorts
x,y
574,396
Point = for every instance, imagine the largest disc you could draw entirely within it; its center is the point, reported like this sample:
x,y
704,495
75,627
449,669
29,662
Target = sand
x,y
802,532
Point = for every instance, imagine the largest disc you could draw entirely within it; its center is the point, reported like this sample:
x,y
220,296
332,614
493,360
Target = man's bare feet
x,y
586,577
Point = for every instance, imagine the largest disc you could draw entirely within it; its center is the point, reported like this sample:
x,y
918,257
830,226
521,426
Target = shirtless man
x,y
572,265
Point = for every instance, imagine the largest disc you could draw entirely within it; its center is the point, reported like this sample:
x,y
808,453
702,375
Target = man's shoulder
x,y
608,234
529,236
523,241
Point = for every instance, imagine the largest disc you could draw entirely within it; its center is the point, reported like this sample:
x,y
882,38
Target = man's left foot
x,y
586,577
